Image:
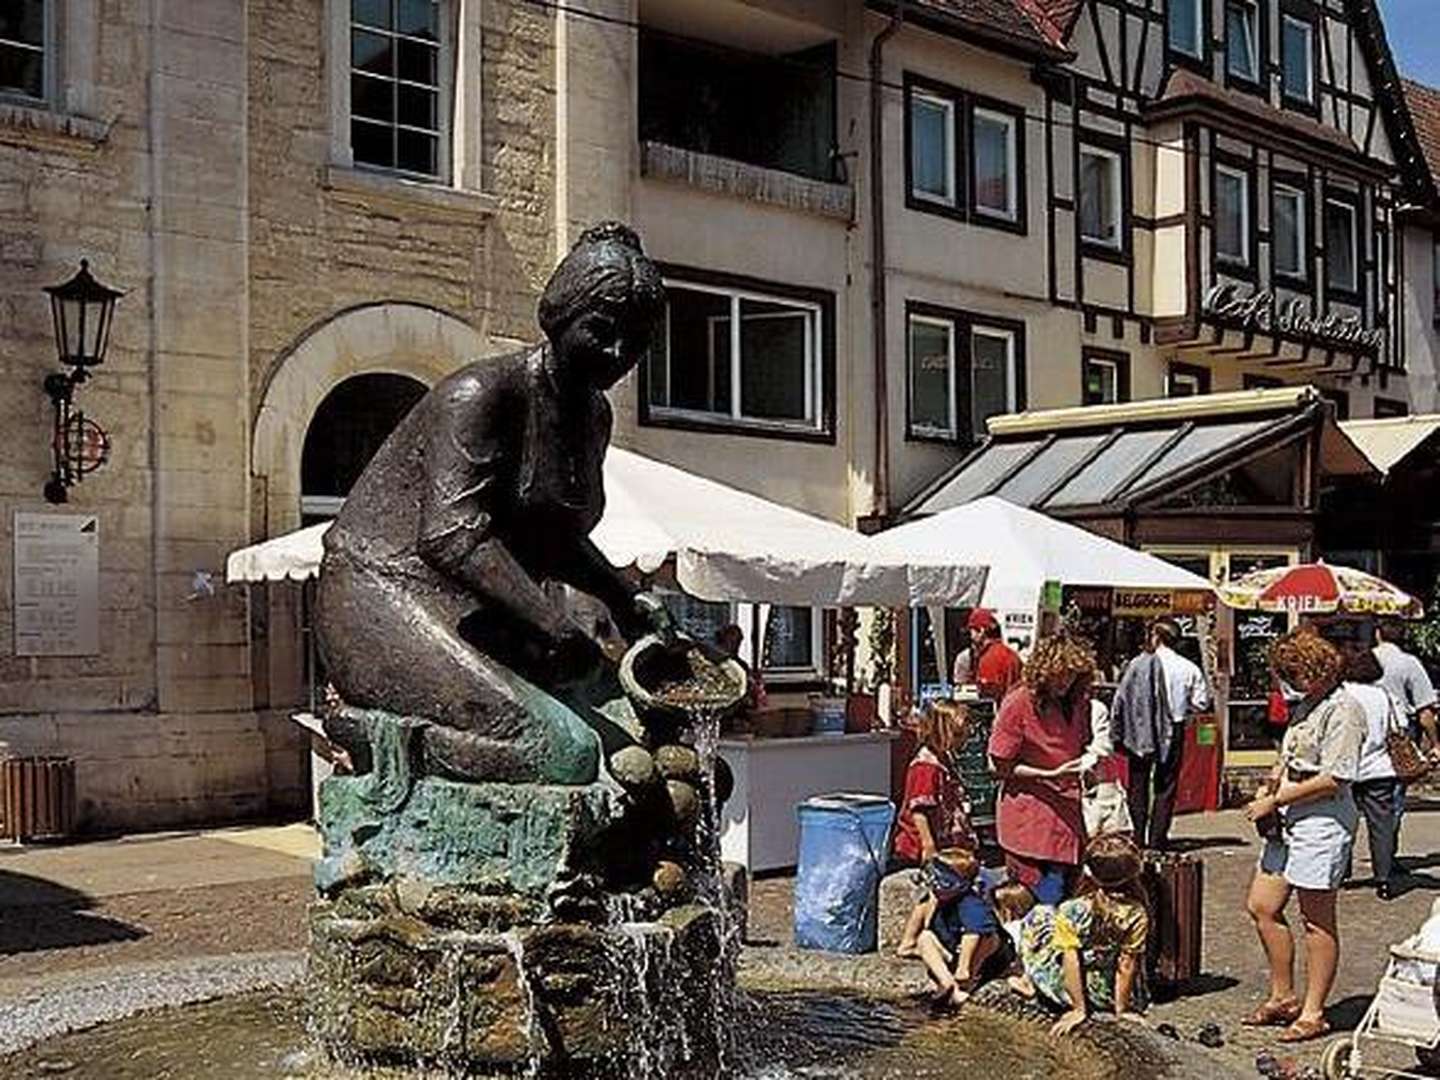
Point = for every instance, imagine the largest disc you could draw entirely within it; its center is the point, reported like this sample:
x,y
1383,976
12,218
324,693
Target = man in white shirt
x,y
1407,681
1186,695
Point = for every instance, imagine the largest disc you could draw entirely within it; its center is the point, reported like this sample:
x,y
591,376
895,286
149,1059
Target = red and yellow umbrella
x,y
1320,589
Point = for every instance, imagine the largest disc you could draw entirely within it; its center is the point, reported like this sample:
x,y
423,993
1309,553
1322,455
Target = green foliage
x,y
1424,636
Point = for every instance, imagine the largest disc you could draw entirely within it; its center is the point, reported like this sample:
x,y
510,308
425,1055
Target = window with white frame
x,y
1107,378
739,357
932,148
784,643
1297,57
963,370
993,142
1289,232
398,107
23,59
793,643
1342,256
1186,27
1242,39
1184,380
932,376
1100,196
1232,215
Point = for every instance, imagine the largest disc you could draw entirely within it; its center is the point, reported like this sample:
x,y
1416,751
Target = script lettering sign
x,y
1262,313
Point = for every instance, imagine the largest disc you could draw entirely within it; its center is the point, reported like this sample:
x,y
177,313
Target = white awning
x,y
1025,548
727,545
1388,442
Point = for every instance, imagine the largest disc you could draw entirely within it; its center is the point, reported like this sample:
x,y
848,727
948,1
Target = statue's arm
x,y
456,516
589,571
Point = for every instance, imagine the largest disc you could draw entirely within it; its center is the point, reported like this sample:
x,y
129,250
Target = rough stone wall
x,y
316,250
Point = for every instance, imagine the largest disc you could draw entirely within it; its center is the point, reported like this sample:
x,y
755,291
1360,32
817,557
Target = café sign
x,y
1261,312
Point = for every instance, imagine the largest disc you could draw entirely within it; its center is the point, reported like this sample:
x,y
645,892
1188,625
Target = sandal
x,y
1304,1030
1273,1014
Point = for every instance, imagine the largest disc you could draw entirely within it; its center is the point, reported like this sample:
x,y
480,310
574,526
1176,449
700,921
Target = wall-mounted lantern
x,y
83,310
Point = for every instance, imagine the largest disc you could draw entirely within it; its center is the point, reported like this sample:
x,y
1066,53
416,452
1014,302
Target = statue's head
x,y
601,305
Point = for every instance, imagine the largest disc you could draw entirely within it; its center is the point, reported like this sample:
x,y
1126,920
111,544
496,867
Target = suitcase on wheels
x,y
1176,884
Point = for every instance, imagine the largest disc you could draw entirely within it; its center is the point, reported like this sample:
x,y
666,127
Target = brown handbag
x,y
1409,763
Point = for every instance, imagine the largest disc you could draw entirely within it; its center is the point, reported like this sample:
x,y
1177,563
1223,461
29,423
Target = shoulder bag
x,y
1409,763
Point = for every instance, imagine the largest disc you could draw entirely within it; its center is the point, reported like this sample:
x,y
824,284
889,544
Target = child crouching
x,y
1089,952
962,933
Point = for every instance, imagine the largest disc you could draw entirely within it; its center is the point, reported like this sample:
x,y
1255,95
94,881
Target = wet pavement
x,y
199,914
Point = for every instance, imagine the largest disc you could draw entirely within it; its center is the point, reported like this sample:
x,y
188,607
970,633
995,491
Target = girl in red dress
x,y
935,810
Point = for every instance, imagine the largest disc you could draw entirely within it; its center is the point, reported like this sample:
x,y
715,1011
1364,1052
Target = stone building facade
x,y
196,153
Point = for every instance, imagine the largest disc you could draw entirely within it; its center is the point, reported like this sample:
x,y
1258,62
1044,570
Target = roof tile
x,y
1025,21
1424,103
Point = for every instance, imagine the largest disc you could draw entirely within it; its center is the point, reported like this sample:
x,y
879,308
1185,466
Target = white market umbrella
x,y
1024,549
727,545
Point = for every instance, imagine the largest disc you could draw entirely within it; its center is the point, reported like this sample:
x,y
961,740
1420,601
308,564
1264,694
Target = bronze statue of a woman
x,y
432,598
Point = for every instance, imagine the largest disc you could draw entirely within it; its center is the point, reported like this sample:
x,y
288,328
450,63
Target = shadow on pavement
x,y
1345,1014
1184,844
1199,986
36,914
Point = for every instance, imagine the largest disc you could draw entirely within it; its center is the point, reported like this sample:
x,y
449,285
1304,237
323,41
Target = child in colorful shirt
x,y
1089,952
963,933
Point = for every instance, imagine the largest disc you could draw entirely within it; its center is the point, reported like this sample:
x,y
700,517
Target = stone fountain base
x,y
562,1000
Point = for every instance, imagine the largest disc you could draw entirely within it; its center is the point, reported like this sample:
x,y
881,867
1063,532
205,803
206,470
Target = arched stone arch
x,y
389,337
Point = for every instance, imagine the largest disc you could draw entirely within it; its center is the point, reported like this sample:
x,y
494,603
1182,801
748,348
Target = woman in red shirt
x,y
1036,747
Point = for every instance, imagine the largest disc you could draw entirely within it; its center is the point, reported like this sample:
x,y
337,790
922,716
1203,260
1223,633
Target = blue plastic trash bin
x,y
844,839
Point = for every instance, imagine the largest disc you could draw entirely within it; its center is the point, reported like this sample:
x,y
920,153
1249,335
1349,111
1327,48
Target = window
x,y
1186,27
932,148
993,145
977,177
963,370
1242,39
739,357
1107,377
1435,286
1390,407
1340,399
1187,380
792,641
1260,382
1341,250
1297,52
932,376
1232,215
1100,197
22,48
1288,228
397,111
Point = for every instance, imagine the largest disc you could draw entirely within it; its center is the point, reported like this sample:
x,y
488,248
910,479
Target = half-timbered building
x,y
1225,183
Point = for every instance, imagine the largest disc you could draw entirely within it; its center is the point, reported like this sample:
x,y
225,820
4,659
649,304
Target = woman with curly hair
x,y
1036,749
1308,815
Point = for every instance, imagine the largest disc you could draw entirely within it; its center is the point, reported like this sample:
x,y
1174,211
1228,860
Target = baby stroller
x,y
1403,1014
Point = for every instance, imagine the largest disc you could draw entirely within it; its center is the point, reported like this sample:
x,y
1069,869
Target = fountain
x,y
521,872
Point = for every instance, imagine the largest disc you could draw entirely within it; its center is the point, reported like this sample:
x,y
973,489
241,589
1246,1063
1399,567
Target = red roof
x,y
1060,14
1424,103
1025,22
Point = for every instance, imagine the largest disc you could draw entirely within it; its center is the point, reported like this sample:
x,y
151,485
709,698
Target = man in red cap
x,y
994,666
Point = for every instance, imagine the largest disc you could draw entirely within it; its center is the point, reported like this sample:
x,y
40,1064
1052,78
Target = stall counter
x,y
758,825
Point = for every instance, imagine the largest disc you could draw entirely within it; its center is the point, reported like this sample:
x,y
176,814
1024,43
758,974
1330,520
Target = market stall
x,y
732,557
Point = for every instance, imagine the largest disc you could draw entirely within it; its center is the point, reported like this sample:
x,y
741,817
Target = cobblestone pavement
x,y
98,909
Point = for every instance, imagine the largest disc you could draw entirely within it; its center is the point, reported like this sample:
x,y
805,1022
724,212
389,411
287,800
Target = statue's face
x,y
602,346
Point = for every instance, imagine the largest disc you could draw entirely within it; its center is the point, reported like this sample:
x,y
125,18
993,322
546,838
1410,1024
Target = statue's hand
x,y
655,617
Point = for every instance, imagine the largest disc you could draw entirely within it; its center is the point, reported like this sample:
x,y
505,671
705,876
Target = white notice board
x,y
57,584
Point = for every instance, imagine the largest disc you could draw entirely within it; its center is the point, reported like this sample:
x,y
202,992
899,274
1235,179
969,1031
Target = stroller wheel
x,y
1335,1062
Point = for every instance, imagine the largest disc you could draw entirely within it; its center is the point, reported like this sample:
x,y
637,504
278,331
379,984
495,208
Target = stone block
x,y
897,900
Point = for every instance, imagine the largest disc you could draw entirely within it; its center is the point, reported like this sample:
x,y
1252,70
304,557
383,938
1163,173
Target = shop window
x,y
966,155
1187,380
1107,377
1242,39
1390,407
793,642
700,619
351,424
1101,204
739,358
777,112
1297,58
1232,215
932,148
23,59
1289,232
1268,481
1185,21
398,95
964,369
1342,255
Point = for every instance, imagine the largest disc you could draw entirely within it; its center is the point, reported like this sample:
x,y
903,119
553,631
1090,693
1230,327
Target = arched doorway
x,y
351,424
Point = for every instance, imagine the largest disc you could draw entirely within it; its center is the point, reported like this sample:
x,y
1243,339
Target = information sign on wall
x,y
57,584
